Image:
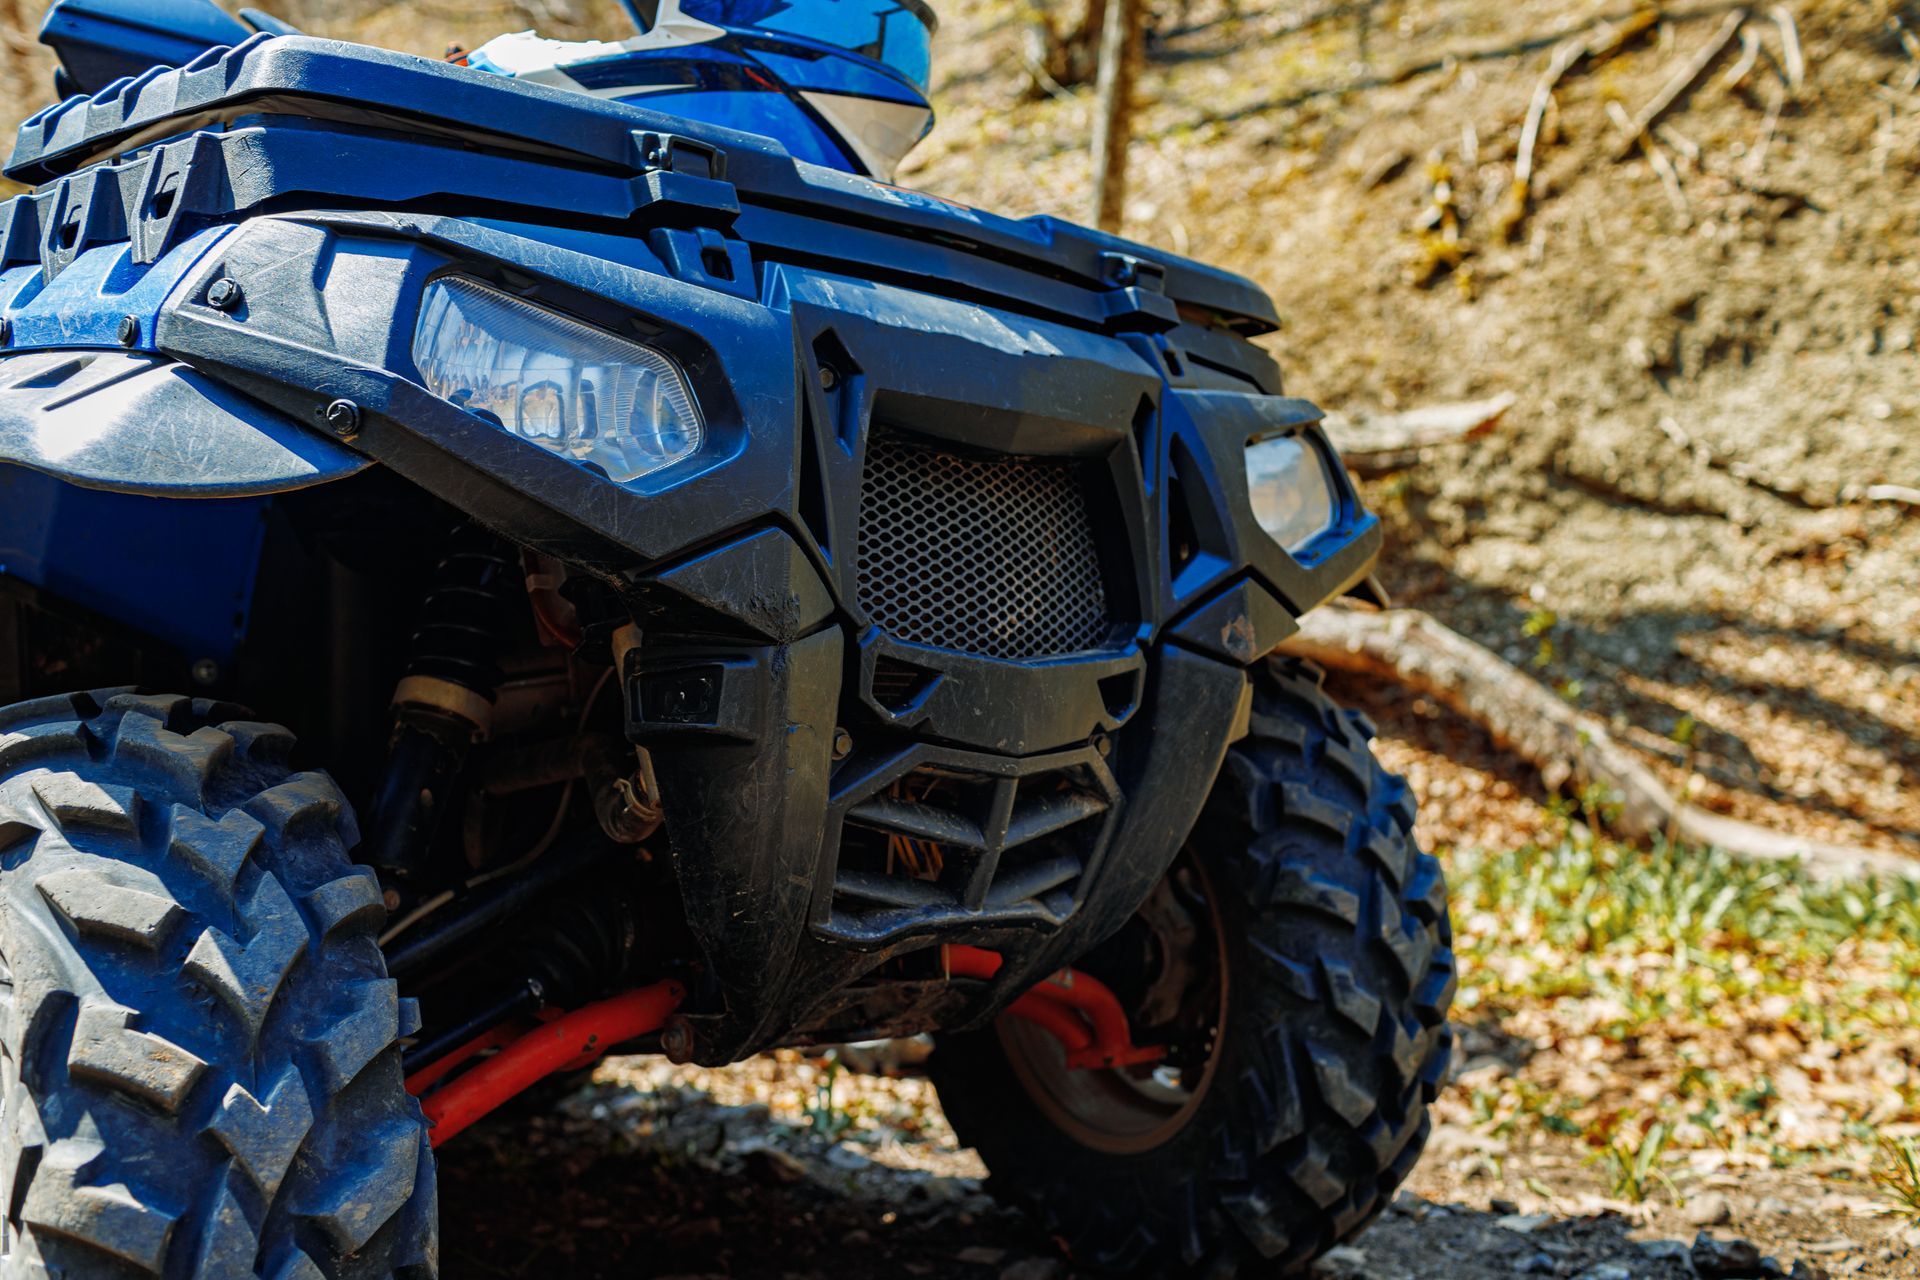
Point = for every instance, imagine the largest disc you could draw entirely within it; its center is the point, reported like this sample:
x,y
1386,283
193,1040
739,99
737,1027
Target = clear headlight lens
x,y
1294,498
570,388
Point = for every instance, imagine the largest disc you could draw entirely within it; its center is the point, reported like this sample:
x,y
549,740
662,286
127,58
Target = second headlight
x,y
1293,495
565,386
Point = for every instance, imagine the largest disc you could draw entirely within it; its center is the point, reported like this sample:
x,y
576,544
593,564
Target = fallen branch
x,y
1567,745
1681,83
1386,442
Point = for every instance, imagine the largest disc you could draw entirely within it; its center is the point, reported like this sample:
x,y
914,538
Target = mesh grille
x,y
992,556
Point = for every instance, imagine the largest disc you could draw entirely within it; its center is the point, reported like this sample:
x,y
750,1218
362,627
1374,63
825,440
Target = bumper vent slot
x,y
945,845
993,556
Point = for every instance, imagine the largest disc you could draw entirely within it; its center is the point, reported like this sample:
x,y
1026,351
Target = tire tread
x,y
247,1119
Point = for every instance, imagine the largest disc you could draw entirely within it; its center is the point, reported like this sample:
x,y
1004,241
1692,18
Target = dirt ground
x,y
659,1172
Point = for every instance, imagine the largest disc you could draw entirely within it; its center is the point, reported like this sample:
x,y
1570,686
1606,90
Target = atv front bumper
x,y
854,770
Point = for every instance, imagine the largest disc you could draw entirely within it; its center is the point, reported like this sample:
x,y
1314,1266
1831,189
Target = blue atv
x,y
726,601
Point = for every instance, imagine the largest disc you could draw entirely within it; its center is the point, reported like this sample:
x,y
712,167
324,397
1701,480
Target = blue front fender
x,y
97,429
137,423
84,396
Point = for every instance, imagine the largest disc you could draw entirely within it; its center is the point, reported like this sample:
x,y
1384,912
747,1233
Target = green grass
x,y
1681,999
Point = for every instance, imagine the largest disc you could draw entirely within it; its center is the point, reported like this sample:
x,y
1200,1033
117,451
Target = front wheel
x,y
199,1075
1297,963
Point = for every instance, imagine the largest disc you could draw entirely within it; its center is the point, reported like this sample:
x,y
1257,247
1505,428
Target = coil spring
x,y
476,586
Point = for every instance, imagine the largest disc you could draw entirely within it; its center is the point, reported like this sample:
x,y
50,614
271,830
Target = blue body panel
x,y
815,315
87,304
182,572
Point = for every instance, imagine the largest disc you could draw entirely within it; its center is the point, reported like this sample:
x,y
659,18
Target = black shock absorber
x,y
444,703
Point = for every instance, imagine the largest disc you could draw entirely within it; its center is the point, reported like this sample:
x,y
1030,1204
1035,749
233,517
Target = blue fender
x,y
137,423
98,430
85,397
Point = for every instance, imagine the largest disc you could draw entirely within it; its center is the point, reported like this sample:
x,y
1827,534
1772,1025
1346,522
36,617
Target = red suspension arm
x,y
572,1040
1064,1005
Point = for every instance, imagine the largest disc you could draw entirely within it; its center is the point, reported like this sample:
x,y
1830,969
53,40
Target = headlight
x,y
1293,496
572,389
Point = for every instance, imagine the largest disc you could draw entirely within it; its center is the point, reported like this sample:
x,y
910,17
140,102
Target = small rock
x,y
1607,1271
773,1167
857,1237
1345,1261
1032,1269
1667,1251
1408,1205
842,1156
1710,1209
1774,1207
1725,1259
980,1255
1807,1271
1538,1264
1523,1223
1505,1208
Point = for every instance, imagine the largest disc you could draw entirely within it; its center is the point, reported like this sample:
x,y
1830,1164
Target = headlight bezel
x,y
569,338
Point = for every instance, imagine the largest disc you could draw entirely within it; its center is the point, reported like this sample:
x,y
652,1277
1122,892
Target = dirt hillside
x,y
1762,304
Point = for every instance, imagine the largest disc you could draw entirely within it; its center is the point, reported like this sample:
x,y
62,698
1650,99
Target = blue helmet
x,y
840,82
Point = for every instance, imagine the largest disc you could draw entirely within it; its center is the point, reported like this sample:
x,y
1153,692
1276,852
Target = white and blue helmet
x,y
840,82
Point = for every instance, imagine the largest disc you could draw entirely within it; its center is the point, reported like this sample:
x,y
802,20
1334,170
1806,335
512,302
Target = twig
x,y
1044,78
1513,210
1681,83
1621,120
1679,142
1749,57
1565,744
1610,37
1565,55
1795,56
1592,46
1757,160
1882,493
1745,472
1669,181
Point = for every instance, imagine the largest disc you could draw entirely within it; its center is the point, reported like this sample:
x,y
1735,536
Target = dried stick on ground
x,y
1514,211
1793,56
1567,746
1595,45
1749,58
1387,442
1707,456
1900,493
1682,82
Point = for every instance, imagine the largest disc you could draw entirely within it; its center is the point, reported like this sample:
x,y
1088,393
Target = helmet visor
x,y
896,33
